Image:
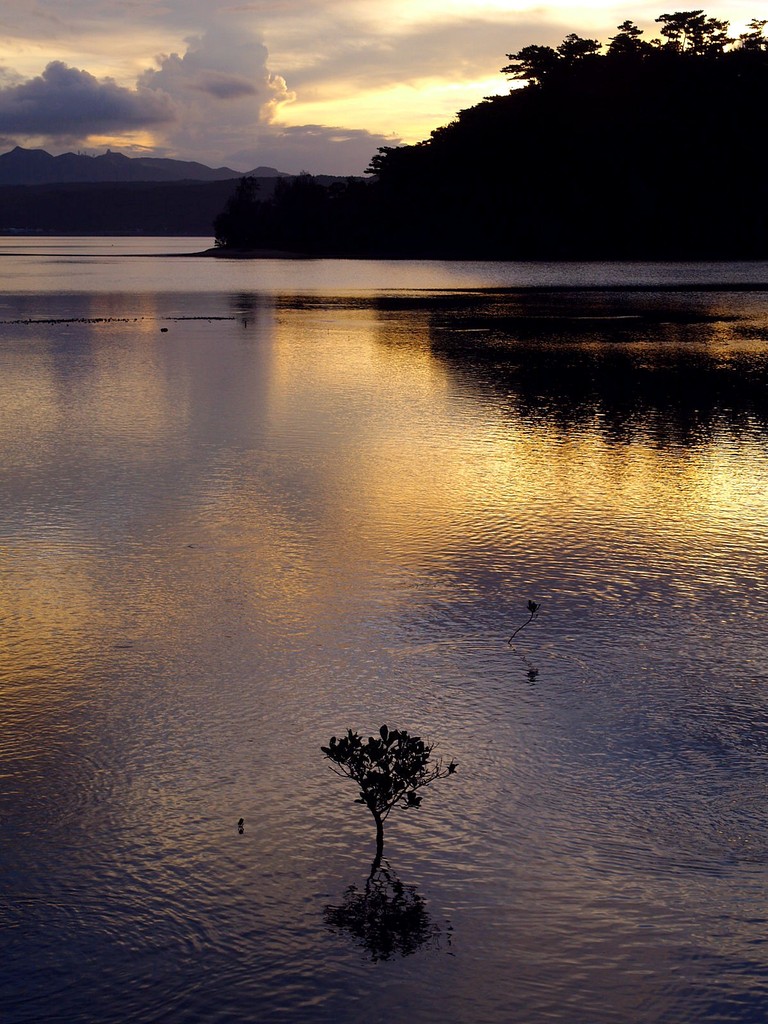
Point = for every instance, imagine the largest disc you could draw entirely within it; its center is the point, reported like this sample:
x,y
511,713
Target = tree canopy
x,y
638,148
684,32
388,770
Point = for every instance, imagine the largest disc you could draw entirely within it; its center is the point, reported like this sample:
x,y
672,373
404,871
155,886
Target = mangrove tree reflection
x,y
386,918
680,366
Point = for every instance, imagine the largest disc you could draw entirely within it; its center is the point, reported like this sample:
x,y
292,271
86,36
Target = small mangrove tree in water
x,y
388,770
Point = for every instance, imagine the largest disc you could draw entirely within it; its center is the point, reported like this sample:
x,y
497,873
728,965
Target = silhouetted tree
x,y
234,226
755,39
693,32
575,47
532,64
388,771
627,42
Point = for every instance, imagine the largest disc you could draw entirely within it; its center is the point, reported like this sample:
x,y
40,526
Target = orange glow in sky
x,y
298,84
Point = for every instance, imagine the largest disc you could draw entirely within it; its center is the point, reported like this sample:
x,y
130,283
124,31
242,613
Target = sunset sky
x,y
311,85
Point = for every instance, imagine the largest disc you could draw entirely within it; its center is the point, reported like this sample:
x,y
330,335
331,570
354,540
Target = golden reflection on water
x,y
415,485
217,541
45,595
402,464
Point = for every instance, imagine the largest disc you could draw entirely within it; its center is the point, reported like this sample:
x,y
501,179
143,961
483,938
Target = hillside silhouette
x,y
630,149
106,208
112,194
37,167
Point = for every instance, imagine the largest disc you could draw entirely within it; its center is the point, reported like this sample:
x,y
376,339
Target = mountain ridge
x,y
21,166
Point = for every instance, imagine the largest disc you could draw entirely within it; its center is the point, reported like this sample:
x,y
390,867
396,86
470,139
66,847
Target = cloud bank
x,y
63,102
298,84
216,101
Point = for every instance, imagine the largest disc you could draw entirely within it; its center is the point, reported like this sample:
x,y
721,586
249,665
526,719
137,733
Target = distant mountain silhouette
x,y
117,195
37,167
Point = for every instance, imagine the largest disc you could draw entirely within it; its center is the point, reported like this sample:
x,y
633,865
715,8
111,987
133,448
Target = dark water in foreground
x,y
246,506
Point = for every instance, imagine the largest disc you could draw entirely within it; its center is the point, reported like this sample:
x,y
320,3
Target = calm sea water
x,y
247,505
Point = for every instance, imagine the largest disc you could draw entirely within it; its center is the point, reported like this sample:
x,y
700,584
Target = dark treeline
x,y
302,215
122,207
114,208
633,149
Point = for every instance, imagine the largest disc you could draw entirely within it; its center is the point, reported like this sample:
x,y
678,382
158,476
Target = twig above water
x,y
533,608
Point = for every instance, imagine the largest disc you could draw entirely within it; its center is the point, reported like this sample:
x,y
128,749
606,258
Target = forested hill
x,y
631,149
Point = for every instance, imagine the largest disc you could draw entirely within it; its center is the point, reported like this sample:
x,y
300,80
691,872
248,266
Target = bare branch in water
x,y
533,608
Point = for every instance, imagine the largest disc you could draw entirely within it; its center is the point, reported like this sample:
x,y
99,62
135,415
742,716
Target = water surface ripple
x,y
245,507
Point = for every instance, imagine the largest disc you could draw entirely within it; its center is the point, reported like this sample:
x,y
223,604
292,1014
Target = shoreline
x,y
221,253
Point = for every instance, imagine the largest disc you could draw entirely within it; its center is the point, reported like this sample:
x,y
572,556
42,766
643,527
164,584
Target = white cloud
x,y
225,64
223,92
